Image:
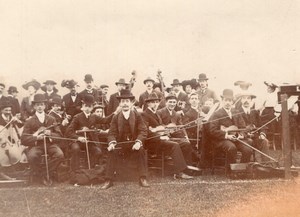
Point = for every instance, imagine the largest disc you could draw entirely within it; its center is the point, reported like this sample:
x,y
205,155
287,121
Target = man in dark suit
x,y
35,129
2,98
157,141
103,97
113,102
149,83
90,89
12,97
71,102
171,119
85,121
182,97
128,132
204,92
224,141
252,121
50,92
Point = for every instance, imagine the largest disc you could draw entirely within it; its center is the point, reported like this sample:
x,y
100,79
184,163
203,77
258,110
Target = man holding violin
x,y
38,129
219,129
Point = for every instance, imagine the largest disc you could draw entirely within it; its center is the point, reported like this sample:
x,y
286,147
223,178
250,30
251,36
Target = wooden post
x,y
286,136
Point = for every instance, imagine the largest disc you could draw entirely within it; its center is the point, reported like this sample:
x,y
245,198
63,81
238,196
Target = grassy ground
x,y
203,196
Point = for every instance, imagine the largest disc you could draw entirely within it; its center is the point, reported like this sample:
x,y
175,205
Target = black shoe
x,y
107,184
144,183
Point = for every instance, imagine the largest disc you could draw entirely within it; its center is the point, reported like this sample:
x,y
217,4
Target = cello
x,y
11,150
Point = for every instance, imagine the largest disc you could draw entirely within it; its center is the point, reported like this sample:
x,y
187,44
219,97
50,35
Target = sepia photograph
x,y
150,108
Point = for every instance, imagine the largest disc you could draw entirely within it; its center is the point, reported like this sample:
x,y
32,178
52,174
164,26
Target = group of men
x,y
181,123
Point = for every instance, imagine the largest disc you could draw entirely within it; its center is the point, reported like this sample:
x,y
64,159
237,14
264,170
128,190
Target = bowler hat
x,y
121,81
125,94
33,83
149,79
202,76
104,86
50,82
88,99
12,89
244,84
152,97
55,100
39,98
88,78
171,96
176,82
69,83
227,93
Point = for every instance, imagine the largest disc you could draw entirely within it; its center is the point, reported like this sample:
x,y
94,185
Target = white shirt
x,y
86,115
41,116
49,92
126,114
170,111
73,97
246,110
229,113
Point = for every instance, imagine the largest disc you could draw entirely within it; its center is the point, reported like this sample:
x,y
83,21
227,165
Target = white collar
x,y
246,110
170,111
126,114
196,108
41,116
87,115
49,92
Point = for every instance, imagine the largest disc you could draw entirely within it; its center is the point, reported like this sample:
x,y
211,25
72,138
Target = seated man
x,y
171,119
35,129
85,121
157,142
252,121
127,133
223,118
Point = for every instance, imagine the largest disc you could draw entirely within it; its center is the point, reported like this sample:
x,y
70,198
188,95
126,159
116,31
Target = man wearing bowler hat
x,y
149,83
85,121
50,92
204,92
127,133
71,102
90,88
226,142
158,142
113,102
35,128
12,97
182,97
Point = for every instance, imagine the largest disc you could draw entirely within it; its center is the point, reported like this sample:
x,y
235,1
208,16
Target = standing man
x,y
50,92
103,97
89,87
2,98
149,83
12,97
182,97
113,101
220,138
71,102
35,128
204,92
128,132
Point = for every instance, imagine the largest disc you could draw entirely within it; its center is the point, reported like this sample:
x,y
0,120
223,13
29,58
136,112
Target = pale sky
x,y
254,40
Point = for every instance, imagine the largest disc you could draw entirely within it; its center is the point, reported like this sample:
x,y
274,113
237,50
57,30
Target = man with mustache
x,y
89,88
126,138
252,120
149,83
113,102
204,92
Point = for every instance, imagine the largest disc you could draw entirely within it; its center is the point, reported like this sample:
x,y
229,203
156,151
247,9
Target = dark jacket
x,y
70,107
138,128
252,119
15,105
33,124
221,118
113,103
94,93
208,93
151,120
145,96
27,109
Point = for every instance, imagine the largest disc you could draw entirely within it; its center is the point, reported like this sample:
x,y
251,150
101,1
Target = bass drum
x,y
11,151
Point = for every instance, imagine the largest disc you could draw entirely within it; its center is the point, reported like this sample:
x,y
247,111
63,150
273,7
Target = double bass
x,y
11,150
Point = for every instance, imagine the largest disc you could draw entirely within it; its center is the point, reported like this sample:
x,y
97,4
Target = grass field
x,y
205,195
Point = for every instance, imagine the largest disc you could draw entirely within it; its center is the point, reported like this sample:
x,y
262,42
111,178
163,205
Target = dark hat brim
x,y
122,83
152,99
149,80
39,101
35,84
125,97
50,82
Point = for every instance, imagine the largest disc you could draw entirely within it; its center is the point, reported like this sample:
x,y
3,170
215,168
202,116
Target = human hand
x,y
136,146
